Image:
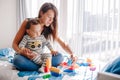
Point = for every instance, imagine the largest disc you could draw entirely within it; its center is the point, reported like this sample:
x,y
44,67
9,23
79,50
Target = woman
x,y
47,16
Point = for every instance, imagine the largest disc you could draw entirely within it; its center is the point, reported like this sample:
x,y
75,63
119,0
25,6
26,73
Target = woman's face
x,y
47,18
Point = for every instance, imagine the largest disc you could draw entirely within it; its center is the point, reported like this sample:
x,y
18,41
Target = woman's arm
x,y
67,49
25,52
64,46
19,36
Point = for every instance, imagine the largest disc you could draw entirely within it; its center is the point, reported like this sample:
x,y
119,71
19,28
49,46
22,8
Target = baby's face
x,y
34,31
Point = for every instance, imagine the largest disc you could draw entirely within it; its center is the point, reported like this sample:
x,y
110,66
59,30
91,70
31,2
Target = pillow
x,y
114,66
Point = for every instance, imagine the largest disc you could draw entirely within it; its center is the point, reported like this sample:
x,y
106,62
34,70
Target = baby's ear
x,y
27,30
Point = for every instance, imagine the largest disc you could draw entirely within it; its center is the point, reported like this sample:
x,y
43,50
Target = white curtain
x,y
90,27
94,27
29,9
22,11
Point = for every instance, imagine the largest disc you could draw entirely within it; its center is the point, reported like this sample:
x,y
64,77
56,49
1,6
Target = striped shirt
x,y
35,44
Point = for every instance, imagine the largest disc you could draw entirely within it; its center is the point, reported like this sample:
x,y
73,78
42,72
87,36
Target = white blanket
x,y
9,72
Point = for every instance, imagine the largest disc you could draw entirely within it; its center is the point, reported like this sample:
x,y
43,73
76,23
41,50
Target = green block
x,y
46,76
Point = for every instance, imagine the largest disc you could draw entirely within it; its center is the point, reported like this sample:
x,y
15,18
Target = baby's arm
x,y
53,52
47,43
22,45
25,51
23,42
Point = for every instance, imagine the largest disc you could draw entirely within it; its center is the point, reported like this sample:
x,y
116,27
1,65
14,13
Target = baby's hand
x,y
54,53
25,50
28,53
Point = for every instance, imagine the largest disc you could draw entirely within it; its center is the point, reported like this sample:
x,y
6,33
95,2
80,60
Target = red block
x,y
46,69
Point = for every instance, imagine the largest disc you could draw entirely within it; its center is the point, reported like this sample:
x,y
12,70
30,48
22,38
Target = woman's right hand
x,y
27,53
74,59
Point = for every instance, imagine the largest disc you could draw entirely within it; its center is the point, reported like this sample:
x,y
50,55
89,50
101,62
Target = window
x,y
94,26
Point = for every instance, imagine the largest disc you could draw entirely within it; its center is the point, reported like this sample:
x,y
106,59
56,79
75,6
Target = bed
x,y
9,72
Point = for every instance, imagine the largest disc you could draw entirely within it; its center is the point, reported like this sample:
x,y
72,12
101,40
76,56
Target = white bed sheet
x,y
8,72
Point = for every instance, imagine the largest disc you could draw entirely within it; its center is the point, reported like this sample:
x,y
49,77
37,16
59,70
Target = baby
x,y
35,41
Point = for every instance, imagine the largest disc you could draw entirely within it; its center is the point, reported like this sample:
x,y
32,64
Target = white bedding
x,y
8,72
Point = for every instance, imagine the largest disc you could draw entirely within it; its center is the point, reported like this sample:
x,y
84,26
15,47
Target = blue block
x,y
68,70
27,73
83,64
56,74
69,62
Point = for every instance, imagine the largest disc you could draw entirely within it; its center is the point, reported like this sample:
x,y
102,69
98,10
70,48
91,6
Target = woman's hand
x,y
74,59
27,53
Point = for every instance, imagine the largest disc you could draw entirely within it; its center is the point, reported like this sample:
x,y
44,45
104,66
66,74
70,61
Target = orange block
x,y
88,60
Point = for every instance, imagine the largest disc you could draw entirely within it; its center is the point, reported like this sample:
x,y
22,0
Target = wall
x,y
7,22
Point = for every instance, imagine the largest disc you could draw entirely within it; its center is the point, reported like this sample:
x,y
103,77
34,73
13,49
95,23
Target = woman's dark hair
x,y
51,31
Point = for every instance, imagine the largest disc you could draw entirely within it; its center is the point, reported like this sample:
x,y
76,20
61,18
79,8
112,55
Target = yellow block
x,y
54,69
